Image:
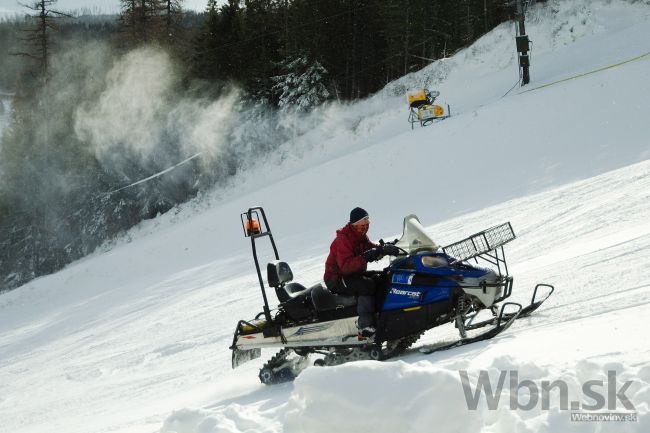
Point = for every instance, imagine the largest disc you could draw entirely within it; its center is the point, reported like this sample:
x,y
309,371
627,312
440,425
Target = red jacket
x,y
345,254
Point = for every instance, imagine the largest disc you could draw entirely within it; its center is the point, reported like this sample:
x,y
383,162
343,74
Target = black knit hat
x,y
357,215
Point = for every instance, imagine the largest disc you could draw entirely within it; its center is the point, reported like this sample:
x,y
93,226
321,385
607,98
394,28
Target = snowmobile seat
x,y
325,300
294,290
278,273
279,276
295,300
294,297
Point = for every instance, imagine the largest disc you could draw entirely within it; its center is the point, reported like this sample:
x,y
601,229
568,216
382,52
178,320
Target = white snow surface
x,y
135,338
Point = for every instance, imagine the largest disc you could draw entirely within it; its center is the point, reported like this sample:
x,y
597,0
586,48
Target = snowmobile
x,y
423,287
422,107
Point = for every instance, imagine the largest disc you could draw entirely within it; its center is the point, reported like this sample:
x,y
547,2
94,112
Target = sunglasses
x,y
363,223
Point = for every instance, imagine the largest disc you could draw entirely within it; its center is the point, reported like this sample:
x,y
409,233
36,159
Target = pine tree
x,y
302,86
262,29
204,57
218,52
229,35
172,13
142,21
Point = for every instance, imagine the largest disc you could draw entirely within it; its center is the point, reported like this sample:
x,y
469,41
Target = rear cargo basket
x,y
480,243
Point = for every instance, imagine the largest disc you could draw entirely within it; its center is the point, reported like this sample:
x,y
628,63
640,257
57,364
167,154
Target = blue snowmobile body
x,y
424,290
409,288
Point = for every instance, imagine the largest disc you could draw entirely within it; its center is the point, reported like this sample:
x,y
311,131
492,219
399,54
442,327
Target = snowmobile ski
x,y
535,303
502,322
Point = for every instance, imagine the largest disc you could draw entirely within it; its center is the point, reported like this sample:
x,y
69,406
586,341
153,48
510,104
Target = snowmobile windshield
x,y
414,238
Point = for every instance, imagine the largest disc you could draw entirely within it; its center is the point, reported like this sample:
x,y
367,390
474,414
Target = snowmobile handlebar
x,y
390,249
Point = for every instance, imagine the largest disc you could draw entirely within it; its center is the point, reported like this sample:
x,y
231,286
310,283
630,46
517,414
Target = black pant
x,y
361,286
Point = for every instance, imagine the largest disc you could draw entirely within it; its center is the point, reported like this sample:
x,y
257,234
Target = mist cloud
x,y
141,113
127,114
202,125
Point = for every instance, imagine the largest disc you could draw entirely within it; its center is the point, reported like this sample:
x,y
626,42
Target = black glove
x,y
372,255
391,250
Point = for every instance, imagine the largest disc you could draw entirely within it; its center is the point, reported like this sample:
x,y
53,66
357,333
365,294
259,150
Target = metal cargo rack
x,y
486,245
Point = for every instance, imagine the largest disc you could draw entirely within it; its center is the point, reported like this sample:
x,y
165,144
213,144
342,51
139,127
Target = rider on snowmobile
x,y
348,259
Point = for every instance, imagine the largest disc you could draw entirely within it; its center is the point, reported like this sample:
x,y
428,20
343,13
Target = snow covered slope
x,y
591,239
135,339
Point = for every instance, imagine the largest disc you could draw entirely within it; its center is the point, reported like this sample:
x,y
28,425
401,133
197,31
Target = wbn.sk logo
x,y
601,396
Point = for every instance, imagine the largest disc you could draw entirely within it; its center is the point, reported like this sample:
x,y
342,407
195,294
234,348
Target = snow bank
x,y
362,396
418,397
379,397
368,396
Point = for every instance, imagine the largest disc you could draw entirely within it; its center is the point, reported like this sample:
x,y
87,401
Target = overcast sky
x,y
96,6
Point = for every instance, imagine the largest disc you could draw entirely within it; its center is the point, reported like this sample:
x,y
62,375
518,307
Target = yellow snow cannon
x,y
422,107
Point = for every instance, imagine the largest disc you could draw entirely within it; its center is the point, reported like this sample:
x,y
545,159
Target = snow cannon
x,y
422,107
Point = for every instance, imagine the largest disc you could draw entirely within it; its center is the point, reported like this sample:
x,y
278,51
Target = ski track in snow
x,y
135,339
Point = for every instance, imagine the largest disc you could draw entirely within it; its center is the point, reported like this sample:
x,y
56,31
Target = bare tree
x,y
38,39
